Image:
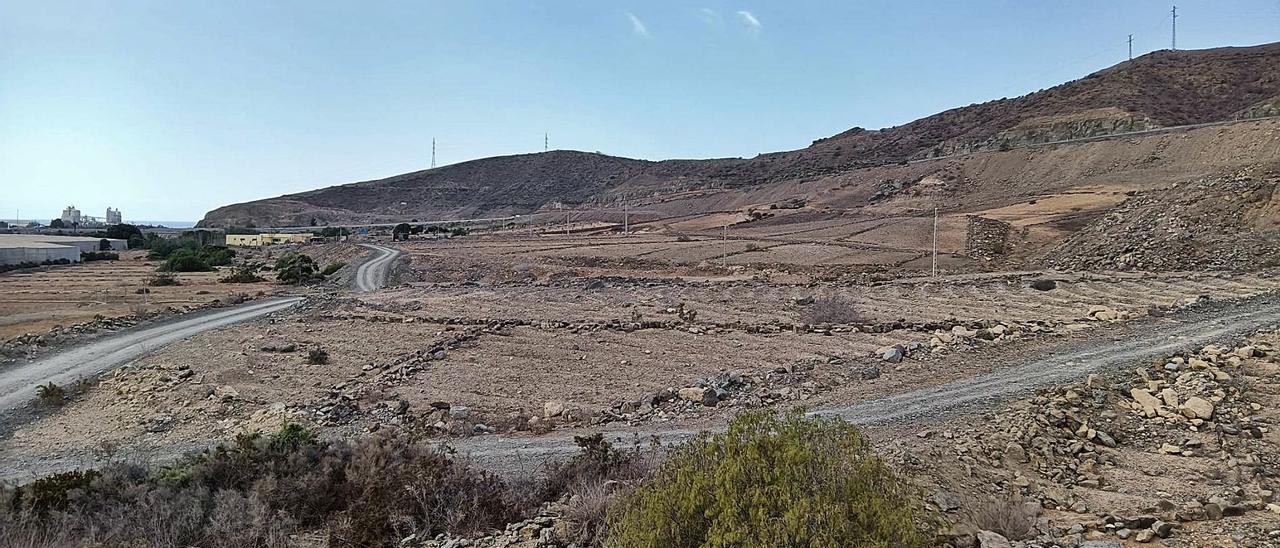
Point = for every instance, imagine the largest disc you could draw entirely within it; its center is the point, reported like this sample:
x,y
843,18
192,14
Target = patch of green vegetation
x,y
295,268
51,394
774,480
246,274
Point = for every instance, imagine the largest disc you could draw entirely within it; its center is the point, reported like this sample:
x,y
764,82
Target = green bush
x,y
244,275
216,256
51,394
774,480
185,260
124,232
295,268
51,492
163,279
99,256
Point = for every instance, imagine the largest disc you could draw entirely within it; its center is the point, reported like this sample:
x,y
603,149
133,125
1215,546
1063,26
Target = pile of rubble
x,y
542,531
30,344
1212,224
1063,441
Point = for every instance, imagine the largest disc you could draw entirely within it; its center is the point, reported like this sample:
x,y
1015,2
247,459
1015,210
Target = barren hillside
x,y
1161,89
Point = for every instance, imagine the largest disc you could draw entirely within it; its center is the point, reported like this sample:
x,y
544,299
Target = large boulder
x,y
553,408
891,354
990,539
699,394
1197,408
1150,404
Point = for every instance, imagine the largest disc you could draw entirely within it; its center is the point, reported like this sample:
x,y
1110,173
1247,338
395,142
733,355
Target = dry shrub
x,y
587,515
1007,515
317,356
417,489
831,310
259,491
593,479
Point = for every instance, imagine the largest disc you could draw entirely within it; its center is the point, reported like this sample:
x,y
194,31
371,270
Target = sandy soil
x,y
34,301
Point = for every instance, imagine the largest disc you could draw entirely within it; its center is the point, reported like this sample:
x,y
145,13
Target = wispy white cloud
x,y
710,16
749,19
637,26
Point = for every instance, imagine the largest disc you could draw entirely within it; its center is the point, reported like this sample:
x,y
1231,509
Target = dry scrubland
x,y
508,341
1105,374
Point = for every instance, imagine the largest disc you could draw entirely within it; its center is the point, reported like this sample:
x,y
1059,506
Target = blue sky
x,y
167,109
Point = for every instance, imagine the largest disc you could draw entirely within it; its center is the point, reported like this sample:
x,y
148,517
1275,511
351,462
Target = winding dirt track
x,y
18,384
1062,363
372,274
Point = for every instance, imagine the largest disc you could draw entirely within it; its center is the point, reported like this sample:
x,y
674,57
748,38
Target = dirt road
x,y
18,384
1060,363
372,274
1001,375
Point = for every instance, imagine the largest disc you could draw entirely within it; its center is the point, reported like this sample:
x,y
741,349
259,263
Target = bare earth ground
x,y
35,300
508,346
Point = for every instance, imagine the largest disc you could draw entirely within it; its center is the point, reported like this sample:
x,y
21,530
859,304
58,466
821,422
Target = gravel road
x,y
1005,374
372,274
18,384
1060,363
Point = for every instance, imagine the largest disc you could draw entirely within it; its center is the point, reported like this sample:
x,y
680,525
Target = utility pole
x,y
724,247
433,152
1130,47
1175,28
935,242
626,222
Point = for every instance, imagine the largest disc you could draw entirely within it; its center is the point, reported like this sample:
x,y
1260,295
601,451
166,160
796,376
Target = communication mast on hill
x,y
1130,47
433,153
1175,28
546,139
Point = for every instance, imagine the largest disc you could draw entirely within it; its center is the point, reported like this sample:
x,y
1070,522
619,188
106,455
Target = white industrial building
x,y
70,215
40,248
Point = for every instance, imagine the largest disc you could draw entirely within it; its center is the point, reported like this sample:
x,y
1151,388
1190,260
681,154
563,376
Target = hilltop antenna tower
x,y
1175,29
546,140
1130,47
433,153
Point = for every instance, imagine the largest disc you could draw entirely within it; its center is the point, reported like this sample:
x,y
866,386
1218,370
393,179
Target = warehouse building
x,y
40,248
255,240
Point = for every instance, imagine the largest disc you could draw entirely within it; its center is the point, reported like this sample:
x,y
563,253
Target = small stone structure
x,y
986,238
